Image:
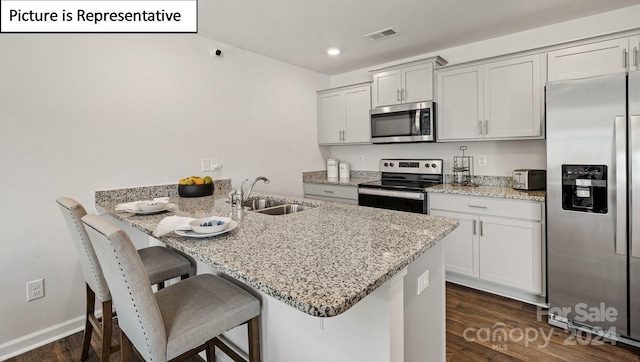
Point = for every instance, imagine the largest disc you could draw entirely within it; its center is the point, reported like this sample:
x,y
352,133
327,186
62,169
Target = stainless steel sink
x,y
259,203
273,207
284,209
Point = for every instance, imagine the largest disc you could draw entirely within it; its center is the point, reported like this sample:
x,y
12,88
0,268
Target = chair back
x,y
138,312
73,212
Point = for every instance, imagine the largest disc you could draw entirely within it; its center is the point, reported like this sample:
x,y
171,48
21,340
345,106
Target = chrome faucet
x,y
236,197
259,178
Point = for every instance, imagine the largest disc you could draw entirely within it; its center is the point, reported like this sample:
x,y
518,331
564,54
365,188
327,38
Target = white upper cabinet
x,y
405,83
634,57
343,115
589,60
491,101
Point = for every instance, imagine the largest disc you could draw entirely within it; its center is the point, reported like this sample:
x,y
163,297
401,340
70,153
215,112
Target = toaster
x,y
528,179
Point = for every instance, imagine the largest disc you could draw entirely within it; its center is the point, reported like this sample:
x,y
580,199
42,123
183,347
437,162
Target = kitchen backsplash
x,y
502,181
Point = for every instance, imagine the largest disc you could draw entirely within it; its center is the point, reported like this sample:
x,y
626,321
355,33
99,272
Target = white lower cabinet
x,y
335,193
498,240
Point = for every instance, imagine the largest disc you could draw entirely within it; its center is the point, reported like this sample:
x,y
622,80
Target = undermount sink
x,y
274,207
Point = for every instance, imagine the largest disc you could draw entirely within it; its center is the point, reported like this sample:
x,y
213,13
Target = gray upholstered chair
x,y
160,263
177,321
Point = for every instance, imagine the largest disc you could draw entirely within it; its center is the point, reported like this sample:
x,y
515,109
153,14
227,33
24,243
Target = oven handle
x,y
390,193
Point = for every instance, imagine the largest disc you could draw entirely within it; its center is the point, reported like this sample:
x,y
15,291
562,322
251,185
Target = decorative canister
x,y
332,168
344,170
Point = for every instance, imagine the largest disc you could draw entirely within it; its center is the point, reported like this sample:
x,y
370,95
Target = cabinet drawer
x,y
519,209
335,191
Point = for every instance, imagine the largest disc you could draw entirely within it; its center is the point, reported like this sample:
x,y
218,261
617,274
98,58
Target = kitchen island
x,y
355,267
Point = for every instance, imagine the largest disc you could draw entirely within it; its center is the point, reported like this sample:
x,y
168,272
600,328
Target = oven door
x,y
404,123
410,201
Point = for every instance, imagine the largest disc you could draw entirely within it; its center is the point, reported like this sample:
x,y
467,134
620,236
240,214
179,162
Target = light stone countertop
x,y
489,191
321,261
356,178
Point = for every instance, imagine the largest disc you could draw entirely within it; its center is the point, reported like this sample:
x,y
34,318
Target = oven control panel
x,y
415,166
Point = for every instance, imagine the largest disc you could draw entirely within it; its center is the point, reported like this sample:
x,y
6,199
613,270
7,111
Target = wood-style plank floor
x,y
475,323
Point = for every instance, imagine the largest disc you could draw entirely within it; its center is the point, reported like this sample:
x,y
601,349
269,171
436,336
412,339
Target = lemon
x,y
183,181
189,182
208,179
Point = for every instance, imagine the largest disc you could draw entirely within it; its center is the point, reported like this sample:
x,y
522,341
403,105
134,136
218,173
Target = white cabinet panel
x,y
511,253
335,193
589,60
343,115
498,240
460,105
386,88
417,83
461,245
406,83
496,100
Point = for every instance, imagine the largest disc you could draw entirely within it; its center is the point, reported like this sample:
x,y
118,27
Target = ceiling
x,y
300,31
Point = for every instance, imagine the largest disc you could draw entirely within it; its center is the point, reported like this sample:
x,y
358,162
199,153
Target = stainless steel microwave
x,y
411,122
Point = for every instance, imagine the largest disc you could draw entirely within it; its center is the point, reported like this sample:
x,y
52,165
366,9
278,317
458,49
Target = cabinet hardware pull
x,y
479,127
481,231
477,206
328,191
474,227
635,57
624,58
398,95
486,127
402,96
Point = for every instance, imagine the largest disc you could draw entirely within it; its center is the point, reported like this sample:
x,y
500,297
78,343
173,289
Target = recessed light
x,y
333,51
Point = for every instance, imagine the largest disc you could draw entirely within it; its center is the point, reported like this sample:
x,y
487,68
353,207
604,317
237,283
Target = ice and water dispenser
x,y
584,188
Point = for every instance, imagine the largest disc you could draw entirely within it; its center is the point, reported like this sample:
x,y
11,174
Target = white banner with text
x,y
98,16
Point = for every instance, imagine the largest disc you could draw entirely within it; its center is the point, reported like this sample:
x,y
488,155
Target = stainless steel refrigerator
x,y
593,204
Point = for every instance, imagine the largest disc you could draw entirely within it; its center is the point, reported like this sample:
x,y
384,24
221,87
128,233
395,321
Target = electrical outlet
x,y
205,164
482,160
215,164
423,282
35,289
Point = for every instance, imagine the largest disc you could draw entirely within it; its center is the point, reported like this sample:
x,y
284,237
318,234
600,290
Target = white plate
x,y
167,207
192,234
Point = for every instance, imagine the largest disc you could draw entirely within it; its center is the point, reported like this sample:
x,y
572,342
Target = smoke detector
x,y
383,34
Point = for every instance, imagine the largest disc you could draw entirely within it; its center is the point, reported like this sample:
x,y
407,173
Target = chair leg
x,y
253,328
126,349
107,331
211,351
88,327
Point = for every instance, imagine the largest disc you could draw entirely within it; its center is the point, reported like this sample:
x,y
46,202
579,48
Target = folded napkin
x,y
132,205
172,223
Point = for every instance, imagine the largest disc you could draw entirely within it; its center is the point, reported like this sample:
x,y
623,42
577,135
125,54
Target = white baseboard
x,y
498,289
40,338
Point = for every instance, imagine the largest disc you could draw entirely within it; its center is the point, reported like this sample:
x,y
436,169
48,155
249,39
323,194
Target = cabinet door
x,y
511,253
331,117
513,98
461,245
386,88
590,60
357,123
460,105
634,55
417,83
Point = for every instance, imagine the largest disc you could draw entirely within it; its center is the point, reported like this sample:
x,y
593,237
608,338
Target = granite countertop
x,y
356,178
490,191
321,261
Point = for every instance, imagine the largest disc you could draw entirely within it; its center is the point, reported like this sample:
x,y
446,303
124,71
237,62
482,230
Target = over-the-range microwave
x,y
411,122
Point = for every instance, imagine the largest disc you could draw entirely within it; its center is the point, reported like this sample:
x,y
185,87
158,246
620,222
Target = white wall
x,y
502,156
86,112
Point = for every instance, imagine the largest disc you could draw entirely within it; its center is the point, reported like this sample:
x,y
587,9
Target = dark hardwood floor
x,y
480,327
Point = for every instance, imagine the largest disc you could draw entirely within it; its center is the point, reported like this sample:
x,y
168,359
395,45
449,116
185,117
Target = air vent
x,y
383,34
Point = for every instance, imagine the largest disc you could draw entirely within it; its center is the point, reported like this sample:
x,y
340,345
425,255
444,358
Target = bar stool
x,y
177,321
160,263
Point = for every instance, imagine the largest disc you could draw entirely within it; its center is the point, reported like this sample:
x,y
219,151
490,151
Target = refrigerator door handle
x,y
634,124
621,185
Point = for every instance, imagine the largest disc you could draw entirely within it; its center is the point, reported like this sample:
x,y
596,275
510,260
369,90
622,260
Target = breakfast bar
x,y
337,282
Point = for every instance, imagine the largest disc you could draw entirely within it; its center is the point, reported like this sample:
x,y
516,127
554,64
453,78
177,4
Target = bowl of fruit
x,y
194,186
210,225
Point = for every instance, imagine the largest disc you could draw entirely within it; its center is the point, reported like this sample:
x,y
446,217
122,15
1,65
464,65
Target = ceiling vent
x,y
383,34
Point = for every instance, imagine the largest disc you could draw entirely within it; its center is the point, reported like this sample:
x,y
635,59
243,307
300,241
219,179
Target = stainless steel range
x,y
403,185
